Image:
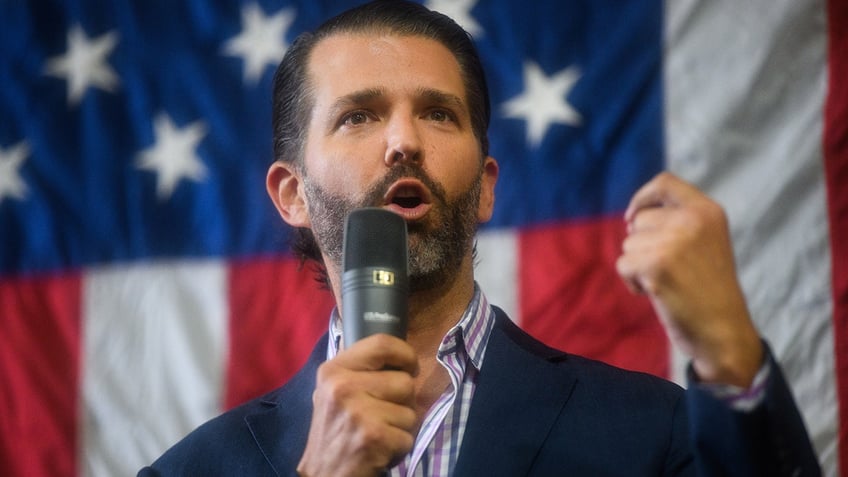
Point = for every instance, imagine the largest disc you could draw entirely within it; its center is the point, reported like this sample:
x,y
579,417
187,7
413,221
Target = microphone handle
x,y
372,303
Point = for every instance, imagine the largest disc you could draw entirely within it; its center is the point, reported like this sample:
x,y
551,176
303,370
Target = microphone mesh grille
x,y
375,238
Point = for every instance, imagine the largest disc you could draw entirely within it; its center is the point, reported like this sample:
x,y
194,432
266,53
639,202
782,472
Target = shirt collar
x,y
470,334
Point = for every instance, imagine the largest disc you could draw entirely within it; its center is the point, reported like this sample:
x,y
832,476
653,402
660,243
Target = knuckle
x,y
369,436
337,390
332,387
325,371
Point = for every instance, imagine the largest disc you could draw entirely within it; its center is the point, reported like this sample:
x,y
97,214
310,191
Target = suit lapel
x,y
280,430
519,395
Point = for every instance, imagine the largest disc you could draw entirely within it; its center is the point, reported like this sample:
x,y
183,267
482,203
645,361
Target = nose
x,y
403,142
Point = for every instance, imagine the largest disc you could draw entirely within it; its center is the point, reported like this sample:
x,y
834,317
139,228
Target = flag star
x,y
11,160
460,12
262,40
544,101
173,155
84,64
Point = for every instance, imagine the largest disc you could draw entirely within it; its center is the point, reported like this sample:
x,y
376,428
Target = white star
x,y
262,40
173,155
543,101
84,64
460,12
11,160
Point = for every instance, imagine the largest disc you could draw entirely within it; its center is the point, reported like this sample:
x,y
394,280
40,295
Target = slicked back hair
x,y
292,96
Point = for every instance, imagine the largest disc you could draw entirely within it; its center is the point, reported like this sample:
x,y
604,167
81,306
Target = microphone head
x,y
375,276
375,237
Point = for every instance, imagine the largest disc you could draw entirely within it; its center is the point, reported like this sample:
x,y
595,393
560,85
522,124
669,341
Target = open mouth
x,y
407,202
409,198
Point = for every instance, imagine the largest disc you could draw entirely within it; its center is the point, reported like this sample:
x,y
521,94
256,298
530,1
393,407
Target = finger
x,y
378,352
395,415
647,220
627,272
386,445
401,442
376,433
663,190
389,385
637,245
644,262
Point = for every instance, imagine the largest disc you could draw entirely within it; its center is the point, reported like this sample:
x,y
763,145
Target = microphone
x,y
375,277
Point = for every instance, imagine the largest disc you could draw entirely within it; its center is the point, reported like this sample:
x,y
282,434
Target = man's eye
x,y
356,117
440,115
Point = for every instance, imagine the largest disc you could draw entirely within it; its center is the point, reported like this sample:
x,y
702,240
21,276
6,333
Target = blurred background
x,y
146,283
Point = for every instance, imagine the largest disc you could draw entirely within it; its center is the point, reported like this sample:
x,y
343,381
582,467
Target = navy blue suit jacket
x,y
538,412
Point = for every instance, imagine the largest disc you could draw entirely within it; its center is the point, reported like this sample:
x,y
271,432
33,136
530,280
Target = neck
x,y
434,311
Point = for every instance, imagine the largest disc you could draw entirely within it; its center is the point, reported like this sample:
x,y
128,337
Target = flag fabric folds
x,y
146,283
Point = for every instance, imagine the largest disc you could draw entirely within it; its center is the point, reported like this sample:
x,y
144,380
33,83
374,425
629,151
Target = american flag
x,y
145,279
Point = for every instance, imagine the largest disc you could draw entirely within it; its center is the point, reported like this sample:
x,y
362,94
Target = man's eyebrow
x,y
365,96
440,97
356,98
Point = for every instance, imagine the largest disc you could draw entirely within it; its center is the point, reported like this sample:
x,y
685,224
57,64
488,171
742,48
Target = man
x,y
386,106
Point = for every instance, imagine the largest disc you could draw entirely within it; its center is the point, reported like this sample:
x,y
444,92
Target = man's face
x,y
391,128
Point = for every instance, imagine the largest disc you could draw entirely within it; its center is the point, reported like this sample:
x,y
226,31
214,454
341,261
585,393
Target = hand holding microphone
x,y
364,419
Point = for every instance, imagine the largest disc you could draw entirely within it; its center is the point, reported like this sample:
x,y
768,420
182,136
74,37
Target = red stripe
x,y
39,375
277,313
581,305
836,169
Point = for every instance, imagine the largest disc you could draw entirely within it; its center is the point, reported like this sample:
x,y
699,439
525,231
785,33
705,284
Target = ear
x,y
285,187
487,189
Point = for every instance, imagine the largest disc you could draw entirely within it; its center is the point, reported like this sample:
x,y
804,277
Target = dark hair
x,y
293,99
293,102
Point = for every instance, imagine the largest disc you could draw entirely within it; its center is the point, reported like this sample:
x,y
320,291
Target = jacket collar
x,y
281,429
520,393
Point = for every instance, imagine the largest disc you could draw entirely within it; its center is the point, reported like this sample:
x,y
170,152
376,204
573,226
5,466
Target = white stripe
x,y
496,271
745,85
153,360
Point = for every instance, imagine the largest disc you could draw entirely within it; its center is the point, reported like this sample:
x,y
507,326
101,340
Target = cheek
x,y
350,180
458,168
334,170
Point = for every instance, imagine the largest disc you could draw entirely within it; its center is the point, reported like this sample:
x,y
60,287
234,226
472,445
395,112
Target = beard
x,y
437,244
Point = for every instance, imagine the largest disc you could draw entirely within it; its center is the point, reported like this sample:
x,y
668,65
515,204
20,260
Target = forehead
x,y
348,62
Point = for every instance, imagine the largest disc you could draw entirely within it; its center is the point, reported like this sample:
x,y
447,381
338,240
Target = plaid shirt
x,y
461,353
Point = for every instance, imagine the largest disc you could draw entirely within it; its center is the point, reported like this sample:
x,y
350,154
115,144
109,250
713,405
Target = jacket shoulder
x,y
238,442
595,375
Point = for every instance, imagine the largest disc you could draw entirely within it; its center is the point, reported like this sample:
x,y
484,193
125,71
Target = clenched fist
x,y
678,252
